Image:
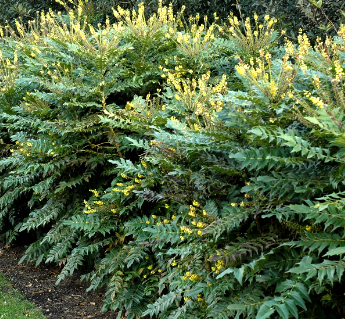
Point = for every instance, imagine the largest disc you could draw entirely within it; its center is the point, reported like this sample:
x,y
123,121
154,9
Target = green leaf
x,y
225,272
299,300
283,311
236,306
238,273
335,251
290,304
264,312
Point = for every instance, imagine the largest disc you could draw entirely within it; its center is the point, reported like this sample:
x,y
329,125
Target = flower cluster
x,y
191,276
251,40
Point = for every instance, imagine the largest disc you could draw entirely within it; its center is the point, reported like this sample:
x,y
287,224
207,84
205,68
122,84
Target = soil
x,y
67,300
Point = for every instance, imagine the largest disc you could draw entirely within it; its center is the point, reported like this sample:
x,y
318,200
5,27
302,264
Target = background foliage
x,y
196,167
313,20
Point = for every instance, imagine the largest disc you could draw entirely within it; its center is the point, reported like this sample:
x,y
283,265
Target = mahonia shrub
x,y
197,167
248,186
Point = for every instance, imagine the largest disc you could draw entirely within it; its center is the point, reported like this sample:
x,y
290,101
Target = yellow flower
x,y
147,222
194,277
233,204
195,203
173,217
247,195
166,206
199,232
150,267
154,216
242,204
308,228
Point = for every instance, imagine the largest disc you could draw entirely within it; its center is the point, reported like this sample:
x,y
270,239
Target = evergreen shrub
x,y
197,167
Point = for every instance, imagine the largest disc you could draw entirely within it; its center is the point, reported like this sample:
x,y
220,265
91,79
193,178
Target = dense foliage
x,y
316,18
196,167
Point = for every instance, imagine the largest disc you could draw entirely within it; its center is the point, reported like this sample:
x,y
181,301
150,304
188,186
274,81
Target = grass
x,y
13,305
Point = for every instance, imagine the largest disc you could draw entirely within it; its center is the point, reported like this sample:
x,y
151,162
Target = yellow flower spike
x,y
317,101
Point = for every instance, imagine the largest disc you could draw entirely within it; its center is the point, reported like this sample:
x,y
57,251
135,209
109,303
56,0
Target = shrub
x,y
197,166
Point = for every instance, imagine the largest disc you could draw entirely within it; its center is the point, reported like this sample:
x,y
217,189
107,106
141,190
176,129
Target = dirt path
x,y
67,300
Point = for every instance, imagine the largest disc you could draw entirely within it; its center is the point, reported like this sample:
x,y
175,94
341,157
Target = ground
x,y
68,300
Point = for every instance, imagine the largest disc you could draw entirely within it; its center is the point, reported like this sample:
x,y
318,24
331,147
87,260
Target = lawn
x,y
13,304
